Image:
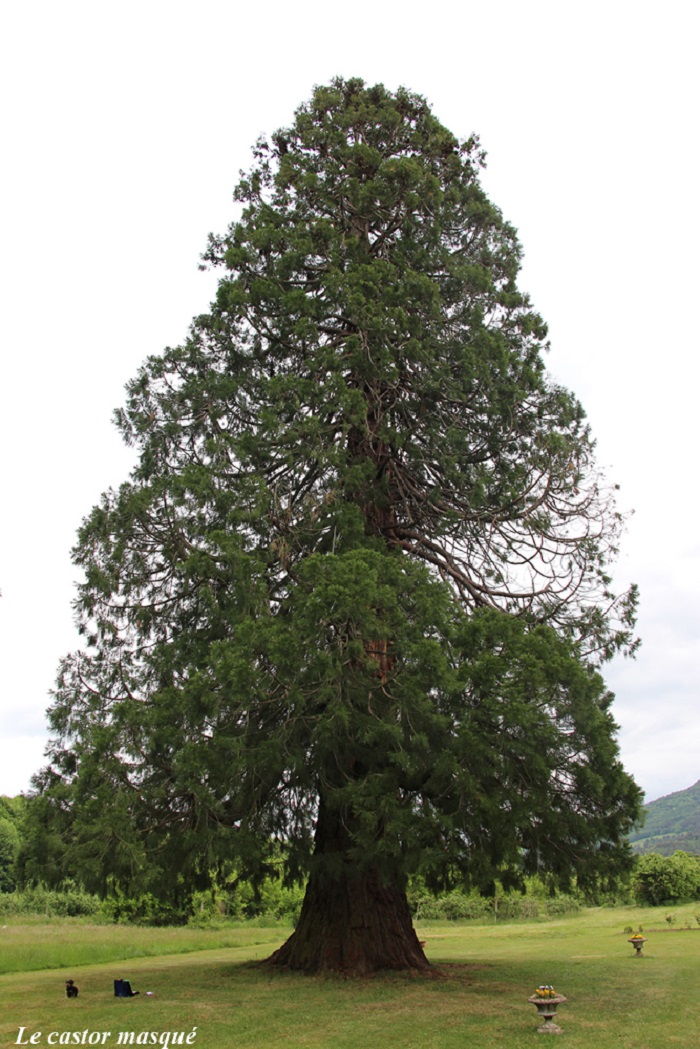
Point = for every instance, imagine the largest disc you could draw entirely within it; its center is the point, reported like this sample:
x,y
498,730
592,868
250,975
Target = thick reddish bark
x,y
352,920
352,925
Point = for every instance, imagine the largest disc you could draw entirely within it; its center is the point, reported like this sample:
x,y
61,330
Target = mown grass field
x,y
205,984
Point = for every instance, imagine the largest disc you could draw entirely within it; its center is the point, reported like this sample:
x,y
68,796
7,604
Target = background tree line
x,y
655,880
11,812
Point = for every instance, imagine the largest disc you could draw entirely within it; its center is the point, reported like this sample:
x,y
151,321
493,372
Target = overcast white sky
x,y
124,126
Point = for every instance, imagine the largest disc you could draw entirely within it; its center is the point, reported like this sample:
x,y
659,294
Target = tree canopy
x,y
11,816
355,595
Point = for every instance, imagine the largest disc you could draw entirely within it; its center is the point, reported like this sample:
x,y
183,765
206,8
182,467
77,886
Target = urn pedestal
x,y
547,1010
638,942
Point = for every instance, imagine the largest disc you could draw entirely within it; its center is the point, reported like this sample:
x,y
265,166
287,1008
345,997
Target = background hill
x,y
672,822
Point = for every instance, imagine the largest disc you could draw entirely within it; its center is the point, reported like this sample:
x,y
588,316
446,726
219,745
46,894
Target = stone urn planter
x,y
638,942
547,1010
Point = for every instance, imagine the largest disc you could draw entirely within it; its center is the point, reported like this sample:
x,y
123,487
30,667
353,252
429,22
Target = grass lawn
x,y
476,997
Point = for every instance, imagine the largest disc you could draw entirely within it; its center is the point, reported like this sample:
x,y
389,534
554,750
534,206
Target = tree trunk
x,y
352,920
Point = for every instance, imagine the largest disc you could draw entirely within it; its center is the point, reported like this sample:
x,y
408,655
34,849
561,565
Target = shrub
x,y
666,879
451,906
513,906
68,901
145,910
562,905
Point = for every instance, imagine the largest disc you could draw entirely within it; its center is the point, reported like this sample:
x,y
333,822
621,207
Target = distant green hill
x,y
672,823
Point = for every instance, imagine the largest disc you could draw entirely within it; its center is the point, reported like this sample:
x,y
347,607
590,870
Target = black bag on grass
x,y
122,989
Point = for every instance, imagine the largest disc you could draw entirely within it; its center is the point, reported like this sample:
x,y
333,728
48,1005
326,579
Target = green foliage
x,y
146,909
513,906
269,900
667,844
361,566
67,901
11,816
451,906
666,879
12,808
9,848
670,824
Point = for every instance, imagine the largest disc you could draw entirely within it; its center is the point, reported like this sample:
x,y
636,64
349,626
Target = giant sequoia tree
x,y
353,598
